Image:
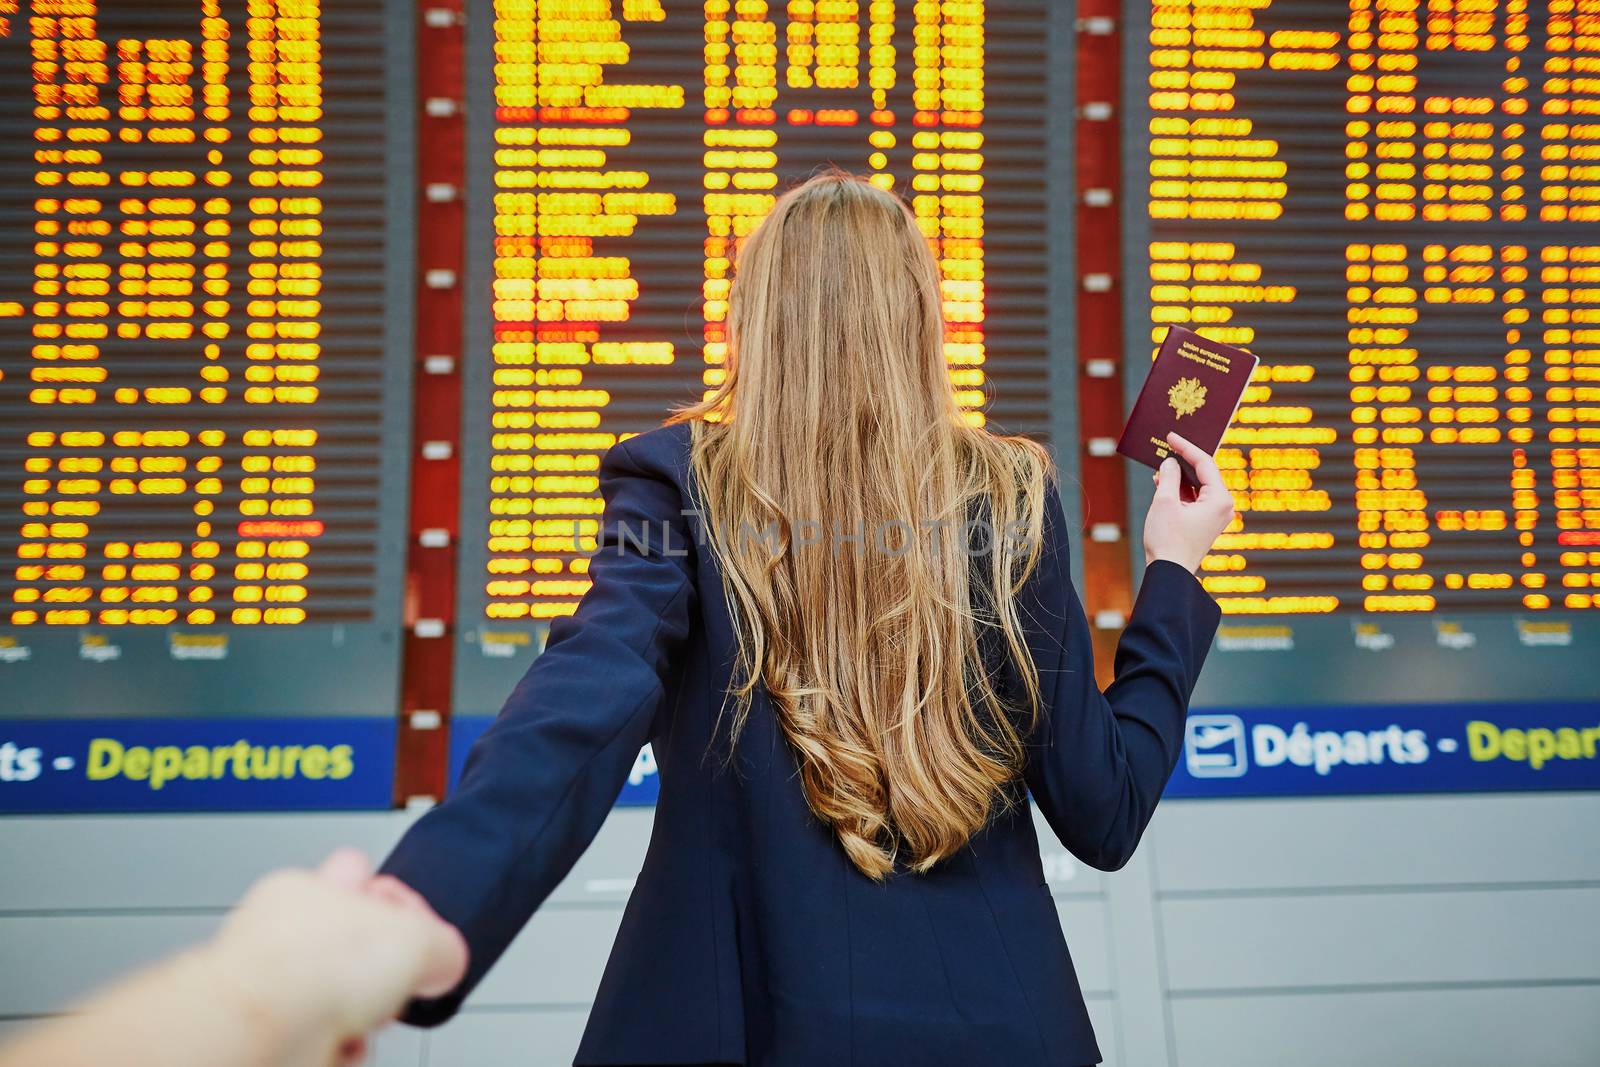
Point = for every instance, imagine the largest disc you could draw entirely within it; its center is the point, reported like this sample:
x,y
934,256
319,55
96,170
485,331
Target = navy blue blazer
x,y
749,937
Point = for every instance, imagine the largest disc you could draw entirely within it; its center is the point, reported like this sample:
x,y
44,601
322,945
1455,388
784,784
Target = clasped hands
x,y
319,959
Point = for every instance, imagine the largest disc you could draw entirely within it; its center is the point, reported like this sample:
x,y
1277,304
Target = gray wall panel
x,y
1136,944
1374,939
396,1046
207,861
1085,924
1191,956
168,861
507,1039
49,961
1362,841
557,959
1103,1014
1538,1027
607,871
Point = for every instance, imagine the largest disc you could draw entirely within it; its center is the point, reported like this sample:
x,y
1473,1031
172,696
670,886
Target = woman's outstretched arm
x,y
539,783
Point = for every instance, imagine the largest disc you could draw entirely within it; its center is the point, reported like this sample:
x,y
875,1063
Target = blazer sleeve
x,y
1097,762
540,781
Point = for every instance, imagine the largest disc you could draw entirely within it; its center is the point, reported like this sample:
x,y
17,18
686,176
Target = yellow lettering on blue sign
x,y
109,758
1538,746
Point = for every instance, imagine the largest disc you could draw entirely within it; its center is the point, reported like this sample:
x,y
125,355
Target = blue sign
x,y
124,765
1402,748
641,788
128,765
1333,750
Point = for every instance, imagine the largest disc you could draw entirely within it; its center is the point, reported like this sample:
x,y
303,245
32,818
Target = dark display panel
x,y
206,239
617,152
1396,205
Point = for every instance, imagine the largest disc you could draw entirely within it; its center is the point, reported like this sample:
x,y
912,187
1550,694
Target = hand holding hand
x,y
1180,530
324,958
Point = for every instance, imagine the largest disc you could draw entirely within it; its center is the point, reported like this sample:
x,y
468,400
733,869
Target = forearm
x,y
183,1012
1157,666
300,970
1107,757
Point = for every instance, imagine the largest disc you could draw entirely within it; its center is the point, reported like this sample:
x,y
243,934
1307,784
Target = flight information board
x,y
617,154
206,232
1396,205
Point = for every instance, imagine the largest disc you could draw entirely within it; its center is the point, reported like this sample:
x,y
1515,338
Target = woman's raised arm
x,y
1097,762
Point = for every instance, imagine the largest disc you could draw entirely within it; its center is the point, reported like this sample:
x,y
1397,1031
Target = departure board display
x,y
1396,205
204,353
618,153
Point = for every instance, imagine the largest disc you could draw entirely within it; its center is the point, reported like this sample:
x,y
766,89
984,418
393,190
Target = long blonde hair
x,y
837,416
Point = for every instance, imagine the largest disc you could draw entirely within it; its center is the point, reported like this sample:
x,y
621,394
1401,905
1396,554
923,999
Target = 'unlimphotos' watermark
x,y
891,537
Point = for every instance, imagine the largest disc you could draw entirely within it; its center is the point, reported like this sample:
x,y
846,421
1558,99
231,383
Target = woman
x,y
842,617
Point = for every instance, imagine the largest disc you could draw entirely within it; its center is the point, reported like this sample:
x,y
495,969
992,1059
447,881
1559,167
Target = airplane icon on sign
x,y
1213,746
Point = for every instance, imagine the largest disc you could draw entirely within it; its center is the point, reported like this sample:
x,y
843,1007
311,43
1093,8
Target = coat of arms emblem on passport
x,y
1187,396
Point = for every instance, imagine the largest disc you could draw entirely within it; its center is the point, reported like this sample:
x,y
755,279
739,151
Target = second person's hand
x,y
1183,531
322,958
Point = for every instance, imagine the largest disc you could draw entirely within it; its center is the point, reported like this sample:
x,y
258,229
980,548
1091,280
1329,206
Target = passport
x,y
1194,389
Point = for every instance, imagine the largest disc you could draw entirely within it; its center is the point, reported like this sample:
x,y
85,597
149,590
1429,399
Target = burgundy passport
x,y
1194,388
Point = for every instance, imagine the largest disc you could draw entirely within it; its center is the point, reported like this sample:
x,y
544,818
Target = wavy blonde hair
x,y
837,414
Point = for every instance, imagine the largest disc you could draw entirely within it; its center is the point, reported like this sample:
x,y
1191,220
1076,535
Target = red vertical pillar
x,y
1107,566
430,594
